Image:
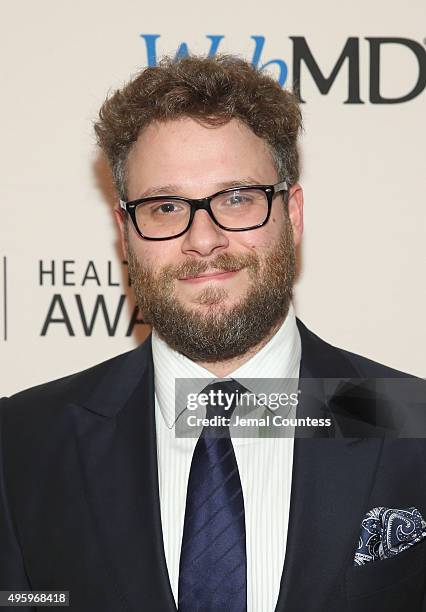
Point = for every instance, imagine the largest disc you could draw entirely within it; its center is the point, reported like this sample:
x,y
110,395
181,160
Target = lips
x,y
211,274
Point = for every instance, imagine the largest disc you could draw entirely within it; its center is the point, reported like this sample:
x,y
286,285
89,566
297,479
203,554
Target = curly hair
x,y
211,90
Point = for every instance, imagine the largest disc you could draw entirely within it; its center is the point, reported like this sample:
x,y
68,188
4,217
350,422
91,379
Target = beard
x,y
216,332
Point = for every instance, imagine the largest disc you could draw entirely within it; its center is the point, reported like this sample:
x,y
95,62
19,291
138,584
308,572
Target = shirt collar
x,y
279,358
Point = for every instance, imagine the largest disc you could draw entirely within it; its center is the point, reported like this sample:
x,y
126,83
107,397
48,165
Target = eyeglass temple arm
x,y
283,186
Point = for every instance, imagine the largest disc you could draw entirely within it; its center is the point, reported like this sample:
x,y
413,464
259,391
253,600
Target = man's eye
x,y
164,208
237,200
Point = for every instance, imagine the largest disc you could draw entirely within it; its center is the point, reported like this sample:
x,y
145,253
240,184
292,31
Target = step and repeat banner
x,y
65,302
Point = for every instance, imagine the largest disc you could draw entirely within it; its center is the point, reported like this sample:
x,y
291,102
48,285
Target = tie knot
x,y
223,397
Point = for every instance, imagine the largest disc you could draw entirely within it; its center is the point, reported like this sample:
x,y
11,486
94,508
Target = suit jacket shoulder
x,y
97,386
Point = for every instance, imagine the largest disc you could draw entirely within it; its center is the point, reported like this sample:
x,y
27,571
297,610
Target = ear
x,y
295,211
120,218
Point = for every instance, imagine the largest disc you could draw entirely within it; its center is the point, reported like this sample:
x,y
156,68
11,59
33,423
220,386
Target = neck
x,y
221,369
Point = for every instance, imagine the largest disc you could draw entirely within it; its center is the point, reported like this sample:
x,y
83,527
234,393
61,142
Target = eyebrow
x,y
172,189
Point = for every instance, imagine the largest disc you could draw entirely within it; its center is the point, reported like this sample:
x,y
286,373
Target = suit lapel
x,y
331,482
116,437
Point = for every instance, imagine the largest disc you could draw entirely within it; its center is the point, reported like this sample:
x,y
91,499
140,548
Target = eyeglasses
x,y
236,209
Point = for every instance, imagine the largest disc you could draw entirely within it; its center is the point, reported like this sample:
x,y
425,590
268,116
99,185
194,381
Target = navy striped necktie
x,y
213,563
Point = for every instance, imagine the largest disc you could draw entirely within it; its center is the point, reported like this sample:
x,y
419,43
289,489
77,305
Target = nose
x,y
204,237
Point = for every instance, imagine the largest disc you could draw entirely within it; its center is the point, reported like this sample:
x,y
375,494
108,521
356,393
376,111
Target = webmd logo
x,y
348,62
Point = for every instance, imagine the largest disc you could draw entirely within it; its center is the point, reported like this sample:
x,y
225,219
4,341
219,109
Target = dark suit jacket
x,y
79,501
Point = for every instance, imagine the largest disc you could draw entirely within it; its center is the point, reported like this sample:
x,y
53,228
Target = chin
x,y
212,297
213,305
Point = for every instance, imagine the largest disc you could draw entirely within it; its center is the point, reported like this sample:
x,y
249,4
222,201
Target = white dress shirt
x,y
265,464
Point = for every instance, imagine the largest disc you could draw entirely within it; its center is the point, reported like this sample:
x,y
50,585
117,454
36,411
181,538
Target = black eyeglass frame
x,y
204,204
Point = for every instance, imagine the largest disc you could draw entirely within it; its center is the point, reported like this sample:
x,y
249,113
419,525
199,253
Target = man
x,y
101,495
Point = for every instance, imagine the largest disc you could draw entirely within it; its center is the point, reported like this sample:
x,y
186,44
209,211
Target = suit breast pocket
x,y
391,585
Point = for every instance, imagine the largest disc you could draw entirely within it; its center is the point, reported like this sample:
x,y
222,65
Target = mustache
x,y
223,262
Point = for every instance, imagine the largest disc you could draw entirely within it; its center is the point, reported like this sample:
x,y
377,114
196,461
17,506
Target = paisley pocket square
x,y
385,532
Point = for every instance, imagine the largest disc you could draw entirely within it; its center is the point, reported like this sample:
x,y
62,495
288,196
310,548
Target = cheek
x,y
258,245
264,238
152,253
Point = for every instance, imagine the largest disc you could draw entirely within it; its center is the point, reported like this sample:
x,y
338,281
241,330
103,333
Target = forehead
x,y
195,156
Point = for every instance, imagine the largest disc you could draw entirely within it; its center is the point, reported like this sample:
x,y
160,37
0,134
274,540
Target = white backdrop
x,y
362,284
